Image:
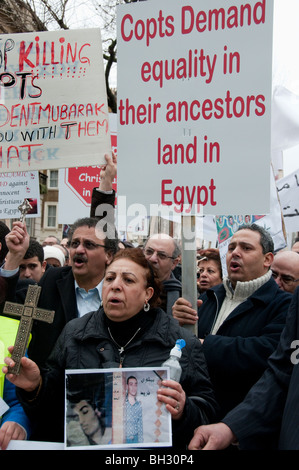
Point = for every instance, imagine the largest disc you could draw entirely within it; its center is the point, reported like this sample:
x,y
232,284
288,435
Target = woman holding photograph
x,y
129,330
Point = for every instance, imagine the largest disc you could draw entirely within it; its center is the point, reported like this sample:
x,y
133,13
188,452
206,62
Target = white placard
x,y
14,188
194,105
76,184
53,105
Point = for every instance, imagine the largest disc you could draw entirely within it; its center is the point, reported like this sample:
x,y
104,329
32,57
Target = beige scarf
x,y
235,297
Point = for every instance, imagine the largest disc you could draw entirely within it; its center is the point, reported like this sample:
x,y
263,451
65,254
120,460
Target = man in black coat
x,y
240,321
70,291
268,418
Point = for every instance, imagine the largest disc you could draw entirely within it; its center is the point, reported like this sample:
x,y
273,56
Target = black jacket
x,y
237,355
85,343
269,416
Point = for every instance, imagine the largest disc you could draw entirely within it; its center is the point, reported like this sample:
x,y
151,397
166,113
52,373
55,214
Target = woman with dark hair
x,y
130,330
209,270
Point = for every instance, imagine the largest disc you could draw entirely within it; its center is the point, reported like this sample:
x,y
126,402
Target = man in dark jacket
x,y
240,321
268,418
70,291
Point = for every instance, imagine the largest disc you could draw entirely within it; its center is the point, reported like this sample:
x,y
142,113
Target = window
x,y
50,215
53,179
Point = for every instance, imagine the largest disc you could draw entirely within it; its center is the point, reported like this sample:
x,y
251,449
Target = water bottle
x,y
173,361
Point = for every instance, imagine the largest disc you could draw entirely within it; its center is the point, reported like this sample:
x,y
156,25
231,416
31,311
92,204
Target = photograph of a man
x,y
133,413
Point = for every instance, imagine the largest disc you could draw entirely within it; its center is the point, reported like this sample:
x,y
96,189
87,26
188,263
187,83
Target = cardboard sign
x,y
14,188
53,106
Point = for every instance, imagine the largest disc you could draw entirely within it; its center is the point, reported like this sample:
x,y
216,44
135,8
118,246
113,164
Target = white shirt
x,y
88,301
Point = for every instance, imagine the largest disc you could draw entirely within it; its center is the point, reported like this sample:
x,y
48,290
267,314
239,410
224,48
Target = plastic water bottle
x,y
173,361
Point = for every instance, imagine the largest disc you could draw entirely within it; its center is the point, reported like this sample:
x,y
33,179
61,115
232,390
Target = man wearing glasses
x,y
163,253
285,270
70,291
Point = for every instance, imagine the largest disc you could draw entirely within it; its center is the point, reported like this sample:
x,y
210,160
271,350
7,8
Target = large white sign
x,y
194,99
53,106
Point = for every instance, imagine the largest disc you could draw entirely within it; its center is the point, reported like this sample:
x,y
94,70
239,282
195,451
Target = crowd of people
x,y
117,305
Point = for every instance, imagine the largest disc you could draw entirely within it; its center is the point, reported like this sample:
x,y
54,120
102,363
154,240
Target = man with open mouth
x,y
239,321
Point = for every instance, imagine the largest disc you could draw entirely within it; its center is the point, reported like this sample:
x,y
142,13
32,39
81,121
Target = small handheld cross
x,y
28,312
24,208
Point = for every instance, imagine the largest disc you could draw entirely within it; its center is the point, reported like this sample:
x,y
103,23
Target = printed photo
x,y
115,408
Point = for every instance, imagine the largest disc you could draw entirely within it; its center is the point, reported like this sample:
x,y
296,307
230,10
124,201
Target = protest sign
x,y
53,106
194,99
14,188
76,184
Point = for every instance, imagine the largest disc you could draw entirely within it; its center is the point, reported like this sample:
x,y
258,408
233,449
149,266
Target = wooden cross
x,y
24,208
28,312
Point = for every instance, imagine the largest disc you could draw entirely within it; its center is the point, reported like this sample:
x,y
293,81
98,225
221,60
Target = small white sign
x,y
53,103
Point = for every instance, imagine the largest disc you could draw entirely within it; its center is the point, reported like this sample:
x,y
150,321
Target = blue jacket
x,y
15,412
237,355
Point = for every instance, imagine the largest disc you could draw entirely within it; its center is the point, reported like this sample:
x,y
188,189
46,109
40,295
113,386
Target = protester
x,y
70,291
54,256
33,264
209,270
65,252
239,321
268,418
163,253
285,270
130,330
14,424
51,240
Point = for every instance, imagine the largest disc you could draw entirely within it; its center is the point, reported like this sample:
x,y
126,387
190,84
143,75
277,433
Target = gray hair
x,y
177,248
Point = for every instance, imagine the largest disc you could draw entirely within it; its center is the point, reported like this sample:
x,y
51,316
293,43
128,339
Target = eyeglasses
x,y
161,255
284,277
87,244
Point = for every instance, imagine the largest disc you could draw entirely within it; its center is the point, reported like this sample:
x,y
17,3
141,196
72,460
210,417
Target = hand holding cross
x,y
28,312
24,208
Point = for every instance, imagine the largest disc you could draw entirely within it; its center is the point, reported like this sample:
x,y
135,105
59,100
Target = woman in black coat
x,y
128,331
